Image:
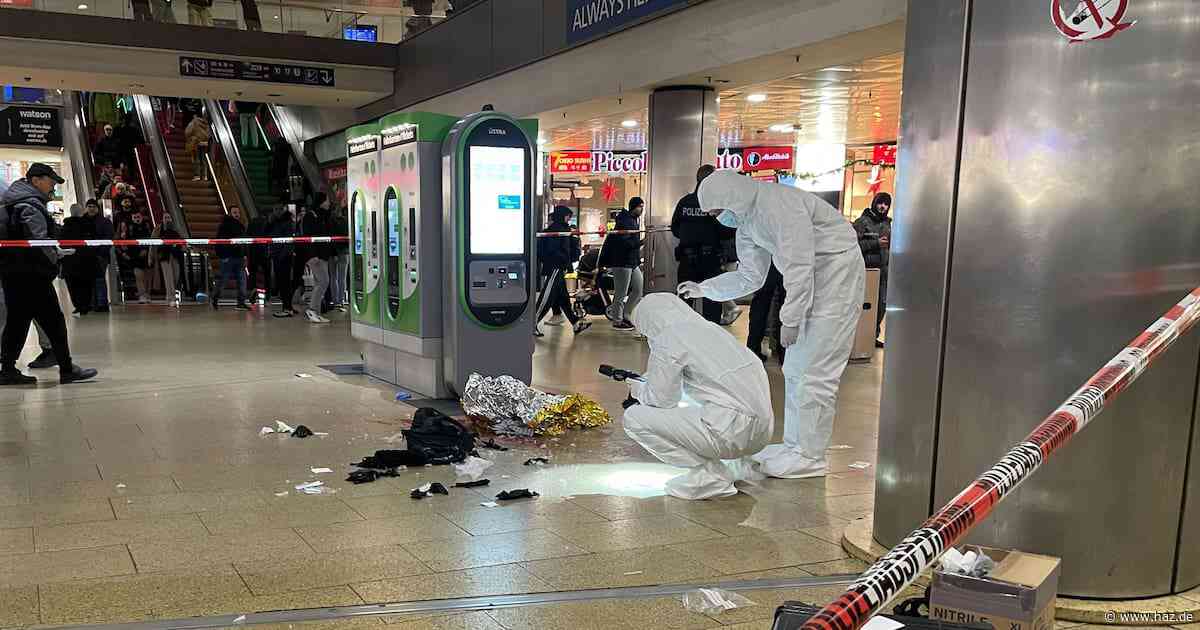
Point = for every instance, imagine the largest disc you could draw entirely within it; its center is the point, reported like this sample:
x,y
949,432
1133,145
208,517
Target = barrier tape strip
x,y
899,568
143,242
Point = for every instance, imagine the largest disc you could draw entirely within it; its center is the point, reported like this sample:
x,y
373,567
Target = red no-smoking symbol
x,y
1089,19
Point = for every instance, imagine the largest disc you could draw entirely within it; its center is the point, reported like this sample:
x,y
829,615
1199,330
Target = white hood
x,y
729,190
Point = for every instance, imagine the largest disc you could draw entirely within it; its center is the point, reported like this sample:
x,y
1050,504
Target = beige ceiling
x,y
856,103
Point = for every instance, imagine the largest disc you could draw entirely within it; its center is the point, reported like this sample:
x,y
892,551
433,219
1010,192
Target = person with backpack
x,y
28,278
557,256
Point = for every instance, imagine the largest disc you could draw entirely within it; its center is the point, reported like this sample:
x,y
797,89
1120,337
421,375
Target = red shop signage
x,y
767,158
884,154
334,173
571,162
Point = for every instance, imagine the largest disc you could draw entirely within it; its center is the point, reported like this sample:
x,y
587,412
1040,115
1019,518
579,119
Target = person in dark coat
x,y
699,250
556,258
104,230
233,259
874,229
622,254
79,269
283,224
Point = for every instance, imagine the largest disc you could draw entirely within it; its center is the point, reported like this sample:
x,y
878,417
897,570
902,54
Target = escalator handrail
x,y
233,157
306,166
167,187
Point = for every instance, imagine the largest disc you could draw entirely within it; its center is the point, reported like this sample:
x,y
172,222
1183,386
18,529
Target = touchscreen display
x,y
497,200
393,213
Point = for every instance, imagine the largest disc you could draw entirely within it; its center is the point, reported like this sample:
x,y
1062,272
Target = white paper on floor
x,y
860,465
879,622
281,494
282,427
303,375
424,488
472,468
840,447
312,487
319,471
266,431
490,504
710,601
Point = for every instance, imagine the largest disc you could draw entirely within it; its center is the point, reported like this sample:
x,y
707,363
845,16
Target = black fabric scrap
x,y
367,476
491,443
472,484
386,459
434,488
533,461
302,432
509,495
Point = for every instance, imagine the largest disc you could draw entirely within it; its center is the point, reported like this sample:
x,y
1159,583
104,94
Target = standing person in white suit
x,y
816,251
726,412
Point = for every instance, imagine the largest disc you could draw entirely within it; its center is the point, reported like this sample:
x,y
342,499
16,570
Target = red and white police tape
x,y
900,567
142,242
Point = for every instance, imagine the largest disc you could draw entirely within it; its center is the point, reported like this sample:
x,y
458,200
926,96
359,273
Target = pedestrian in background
x,y
339,262
233,260
104,230
622,254
317,223
283,225
79,269
170,259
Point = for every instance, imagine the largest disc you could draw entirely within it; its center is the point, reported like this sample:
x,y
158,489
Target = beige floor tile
x,y
105,533
43,514
318,598
756,553
292,512
831,533
846,506
19,606
634,567
498,580
617,508
352,623
509,518
460,621
649,531
763,517
18,540
344,567
632,614
135,597
480,551
379,532
59,566
766,601
244,546
127,487
186,503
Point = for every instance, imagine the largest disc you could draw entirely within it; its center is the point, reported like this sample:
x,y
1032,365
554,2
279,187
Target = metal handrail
x,y
212,172
164,170
233,157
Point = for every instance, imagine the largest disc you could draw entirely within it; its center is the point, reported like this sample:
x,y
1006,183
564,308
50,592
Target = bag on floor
x,y
439,438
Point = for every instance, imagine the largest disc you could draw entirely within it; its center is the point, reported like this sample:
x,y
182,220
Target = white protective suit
x,y
732,415
816,250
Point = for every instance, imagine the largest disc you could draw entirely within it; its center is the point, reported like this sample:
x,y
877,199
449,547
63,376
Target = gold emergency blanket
x,y
574,412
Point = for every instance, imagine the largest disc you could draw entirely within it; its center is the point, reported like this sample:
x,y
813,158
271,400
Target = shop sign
x,y
619,162
30,126
730,159
571,162
767,159
884,154
589,18
1089,20
334,173
206,68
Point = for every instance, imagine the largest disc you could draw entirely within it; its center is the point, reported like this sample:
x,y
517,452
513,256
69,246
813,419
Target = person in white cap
x,y
704,398
816,251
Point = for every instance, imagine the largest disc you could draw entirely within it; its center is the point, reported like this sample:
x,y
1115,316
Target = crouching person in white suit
x,y
727,413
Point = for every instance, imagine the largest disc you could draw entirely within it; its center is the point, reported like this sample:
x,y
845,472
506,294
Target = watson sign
x,y
589,18
30,126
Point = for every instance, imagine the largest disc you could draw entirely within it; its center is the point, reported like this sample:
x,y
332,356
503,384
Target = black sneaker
x,y
581,326
76,374
15,377
242,307
623,325
214,303
101,309
44,360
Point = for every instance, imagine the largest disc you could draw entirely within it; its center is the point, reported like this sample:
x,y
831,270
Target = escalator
x,y
199,199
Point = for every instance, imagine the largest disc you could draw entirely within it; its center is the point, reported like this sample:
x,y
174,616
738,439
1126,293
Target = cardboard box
x,y
1019,593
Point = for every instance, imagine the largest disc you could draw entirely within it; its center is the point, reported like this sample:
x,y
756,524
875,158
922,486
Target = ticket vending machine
x,y
488,231
409,351
362,187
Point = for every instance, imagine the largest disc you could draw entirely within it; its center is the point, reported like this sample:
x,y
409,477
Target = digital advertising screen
x,y
393,214
497,200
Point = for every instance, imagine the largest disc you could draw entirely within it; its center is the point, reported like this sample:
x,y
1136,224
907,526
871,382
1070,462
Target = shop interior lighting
x,y
756,98
82,7
629,124
783,128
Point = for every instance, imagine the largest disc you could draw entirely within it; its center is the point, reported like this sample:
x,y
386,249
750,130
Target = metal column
x,y
1069,227
683,136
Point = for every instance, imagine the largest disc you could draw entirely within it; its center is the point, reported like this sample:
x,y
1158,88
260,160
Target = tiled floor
x,y
150,493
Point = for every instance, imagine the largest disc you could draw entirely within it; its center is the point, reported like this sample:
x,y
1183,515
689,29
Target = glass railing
x,y
358,20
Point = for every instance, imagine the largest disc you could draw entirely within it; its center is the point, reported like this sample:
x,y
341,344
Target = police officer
x,y
699,249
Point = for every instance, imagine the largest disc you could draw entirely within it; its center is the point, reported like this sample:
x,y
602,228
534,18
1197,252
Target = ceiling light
x,y
756,98
275,16
783,128
629,124
82,7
